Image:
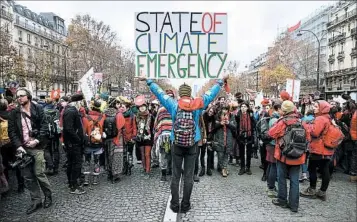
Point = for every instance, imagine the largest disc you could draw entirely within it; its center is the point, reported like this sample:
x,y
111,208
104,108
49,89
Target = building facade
x,y
40,40
342,56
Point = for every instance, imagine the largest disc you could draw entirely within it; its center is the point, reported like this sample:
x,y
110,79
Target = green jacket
x,y
218,135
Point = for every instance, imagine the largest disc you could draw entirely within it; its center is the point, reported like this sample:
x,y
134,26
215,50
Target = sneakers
x,y
224,172
321,195
196,178
138,162
308,193
248,171
272,193
241,171
163,176
279,203
78,191
95,179
303,178
86,179
174,209
264,177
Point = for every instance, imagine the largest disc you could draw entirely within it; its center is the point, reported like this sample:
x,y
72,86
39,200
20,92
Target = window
x,y
20,35
17,19
342,44
53,47
349,27
7,27
28,38
41,43
34,26
20,50
36,41
29,55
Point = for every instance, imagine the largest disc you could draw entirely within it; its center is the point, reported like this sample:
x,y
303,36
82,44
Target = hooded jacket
x,y
196,105
318,127
119,122
277,131
72,126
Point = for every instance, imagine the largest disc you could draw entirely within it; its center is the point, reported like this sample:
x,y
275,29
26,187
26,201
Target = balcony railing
x,y
354,52
353,31
353,87
33,29
342,18
331,58
341,55
337,38
7,15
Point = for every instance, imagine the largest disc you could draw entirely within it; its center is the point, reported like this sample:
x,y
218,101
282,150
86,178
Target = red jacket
x,y
319,125
130,128
120,122
277,131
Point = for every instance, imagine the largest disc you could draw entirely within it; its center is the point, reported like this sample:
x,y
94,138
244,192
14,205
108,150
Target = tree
x,y
271,79
11,62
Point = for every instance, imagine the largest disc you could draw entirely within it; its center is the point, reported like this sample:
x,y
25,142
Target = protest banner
x,y
293,88
87,85
180,45
98,80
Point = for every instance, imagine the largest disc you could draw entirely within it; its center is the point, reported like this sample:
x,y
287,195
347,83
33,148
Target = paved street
x,y
139,198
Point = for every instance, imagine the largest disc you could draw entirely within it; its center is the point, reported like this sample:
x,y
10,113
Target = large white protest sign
x,y
293,88
87,85
181,45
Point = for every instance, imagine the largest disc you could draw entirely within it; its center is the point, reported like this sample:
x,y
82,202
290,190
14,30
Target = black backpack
x,y
110,127
52,117
263,128
294,143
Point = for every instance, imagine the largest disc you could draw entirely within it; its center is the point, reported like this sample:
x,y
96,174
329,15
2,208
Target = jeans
x,y
243,163
293,171
75,159
88,152
35,177
187,156
197,160
323,165
263,155
52,156
271,175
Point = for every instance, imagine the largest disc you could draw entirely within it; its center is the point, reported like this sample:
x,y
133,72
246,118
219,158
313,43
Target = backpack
x,y
52,117
110,127
332,136
294,143
96,130
344,129
4,135
263,129
184,128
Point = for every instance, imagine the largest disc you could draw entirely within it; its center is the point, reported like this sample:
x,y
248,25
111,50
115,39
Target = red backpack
x,y
332,136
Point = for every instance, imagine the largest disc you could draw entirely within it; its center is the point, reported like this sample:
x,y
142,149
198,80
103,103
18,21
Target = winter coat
x,y
239,137
219,135
209,122
317,128
278,131
147,129
196,105
38,123
72,126
119,122
130,126
274,118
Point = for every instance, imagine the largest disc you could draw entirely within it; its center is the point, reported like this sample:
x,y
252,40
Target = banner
x,y
55,94
180,45
293,88
87,85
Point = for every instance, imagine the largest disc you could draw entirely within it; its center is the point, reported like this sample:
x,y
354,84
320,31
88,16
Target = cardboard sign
x,y
293,88
180,45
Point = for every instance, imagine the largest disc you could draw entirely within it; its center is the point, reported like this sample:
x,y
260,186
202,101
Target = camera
x,y
23,162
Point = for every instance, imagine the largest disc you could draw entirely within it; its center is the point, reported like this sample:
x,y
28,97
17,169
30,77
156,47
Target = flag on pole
x,y
293,28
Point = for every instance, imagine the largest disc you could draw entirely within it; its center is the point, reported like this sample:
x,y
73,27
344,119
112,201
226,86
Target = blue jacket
x,y
171,104
308,118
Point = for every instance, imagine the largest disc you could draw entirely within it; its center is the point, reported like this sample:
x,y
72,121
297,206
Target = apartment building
x,y
40,39
342,55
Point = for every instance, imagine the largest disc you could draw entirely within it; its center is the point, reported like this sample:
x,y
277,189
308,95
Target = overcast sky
x,y
252,26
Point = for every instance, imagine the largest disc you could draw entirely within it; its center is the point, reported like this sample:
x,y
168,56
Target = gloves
x,y
20,151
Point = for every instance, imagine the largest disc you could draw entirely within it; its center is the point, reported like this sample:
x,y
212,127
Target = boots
x,y
230,162
202,172
163,176
209,172
321,195
86,179
308,193
95,179
224,172
196,178
353,178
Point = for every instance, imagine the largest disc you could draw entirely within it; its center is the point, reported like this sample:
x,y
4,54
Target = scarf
x,y
143,117
224,118
245,125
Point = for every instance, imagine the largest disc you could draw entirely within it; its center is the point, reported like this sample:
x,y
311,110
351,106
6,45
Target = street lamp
x,y
318,52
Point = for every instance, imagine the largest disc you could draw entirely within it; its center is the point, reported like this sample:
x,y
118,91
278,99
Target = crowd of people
x,y
178,134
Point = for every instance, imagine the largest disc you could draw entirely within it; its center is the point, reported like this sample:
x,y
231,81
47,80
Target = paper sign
x,y
180,45
293,88
87,85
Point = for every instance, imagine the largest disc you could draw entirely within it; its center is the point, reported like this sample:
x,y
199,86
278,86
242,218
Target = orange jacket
x,y
120,123
95,116
353,127
277,131
318,127
130,128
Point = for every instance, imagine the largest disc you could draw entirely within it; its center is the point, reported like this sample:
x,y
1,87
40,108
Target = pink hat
x,y
140,100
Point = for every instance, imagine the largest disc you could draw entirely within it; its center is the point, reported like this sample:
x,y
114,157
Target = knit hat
x,y
265,102
77,97
96,105
185,90
284,95
140,100
287,106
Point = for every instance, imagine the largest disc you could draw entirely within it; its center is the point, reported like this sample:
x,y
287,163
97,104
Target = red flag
x,y
293,28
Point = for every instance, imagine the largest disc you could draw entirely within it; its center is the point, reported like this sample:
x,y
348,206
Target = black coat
x,y
38,123
241,138
72,126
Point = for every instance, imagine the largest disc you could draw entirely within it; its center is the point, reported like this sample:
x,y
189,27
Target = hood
x,y
324,107
110,112
188,104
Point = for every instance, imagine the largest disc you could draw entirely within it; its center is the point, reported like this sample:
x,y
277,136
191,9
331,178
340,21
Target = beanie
x,y
265,102
77,97
185,90
287,106
284,95
96,105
